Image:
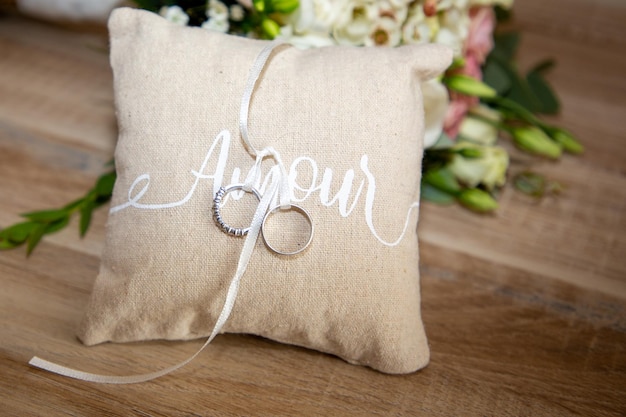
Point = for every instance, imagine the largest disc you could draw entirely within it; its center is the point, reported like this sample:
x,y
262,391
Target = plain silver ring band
x,y
217,216
296,208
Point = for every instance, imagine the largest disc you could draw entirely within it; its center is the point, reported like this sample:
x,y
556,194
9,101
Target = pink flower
x,y
459,105
480,37
477,46
472,68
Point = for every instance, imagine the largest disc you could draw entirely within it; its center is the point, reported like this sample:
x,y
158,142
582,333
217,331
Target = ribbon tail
x,y
227,308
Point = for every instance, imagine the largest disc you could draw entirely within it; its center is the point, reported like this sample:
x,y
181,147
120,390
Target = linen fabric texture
x,y
348,123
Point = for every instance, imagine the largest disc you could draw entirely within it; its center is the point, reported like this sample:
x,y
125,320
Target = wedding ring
x,y
301,247
217,216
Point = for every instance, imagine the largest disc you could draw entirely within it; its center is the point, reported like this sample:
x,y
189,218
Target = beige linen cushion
x,y
348,123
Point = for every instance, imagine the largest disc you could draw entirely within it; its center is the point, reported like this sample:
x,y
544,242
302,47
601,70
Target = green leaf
x,y
259,5
518,89
530,183
45,222
435,195
104,186
57,225
505,44
7,244
544,66
521,93
18,233
511,109
502,14
546,99
46,216
531,91
152,5
85,217
35,237
496,77
282,6
71,206
443,179
435,159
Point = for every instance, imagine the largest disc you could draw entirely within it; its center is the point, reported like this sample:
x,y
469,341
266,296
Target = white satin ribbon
x,y
279,183
253,77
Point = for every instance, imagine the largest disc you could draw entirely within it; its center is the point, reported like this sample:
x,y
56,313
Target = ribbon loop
x,y
253,77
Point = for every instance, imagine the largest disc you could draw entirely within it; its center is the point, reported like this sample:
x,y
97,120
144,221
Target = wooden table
x,y
525,310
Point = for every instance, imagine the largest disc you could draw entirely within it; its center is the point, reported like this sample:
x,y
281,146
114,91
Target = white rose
x,y
304,29
327,13
488,169
355,22
394,9
387,30
303,19
217,25
477,130
175,15
436,100
216,10
418,27
237,13
455,23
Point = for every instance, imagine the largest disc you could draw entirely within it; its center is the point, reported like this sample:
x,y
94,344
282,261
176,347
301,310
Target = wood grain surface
x,y
525,310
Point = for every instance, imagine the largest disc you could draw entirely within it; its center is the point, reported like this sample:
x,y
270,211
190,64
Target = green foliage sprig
x,y
45,222
263,18
519,99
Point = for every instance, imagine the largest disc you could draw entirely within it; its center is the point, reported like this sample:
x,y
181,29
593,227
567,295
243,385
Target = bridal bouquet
x,y
481,100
